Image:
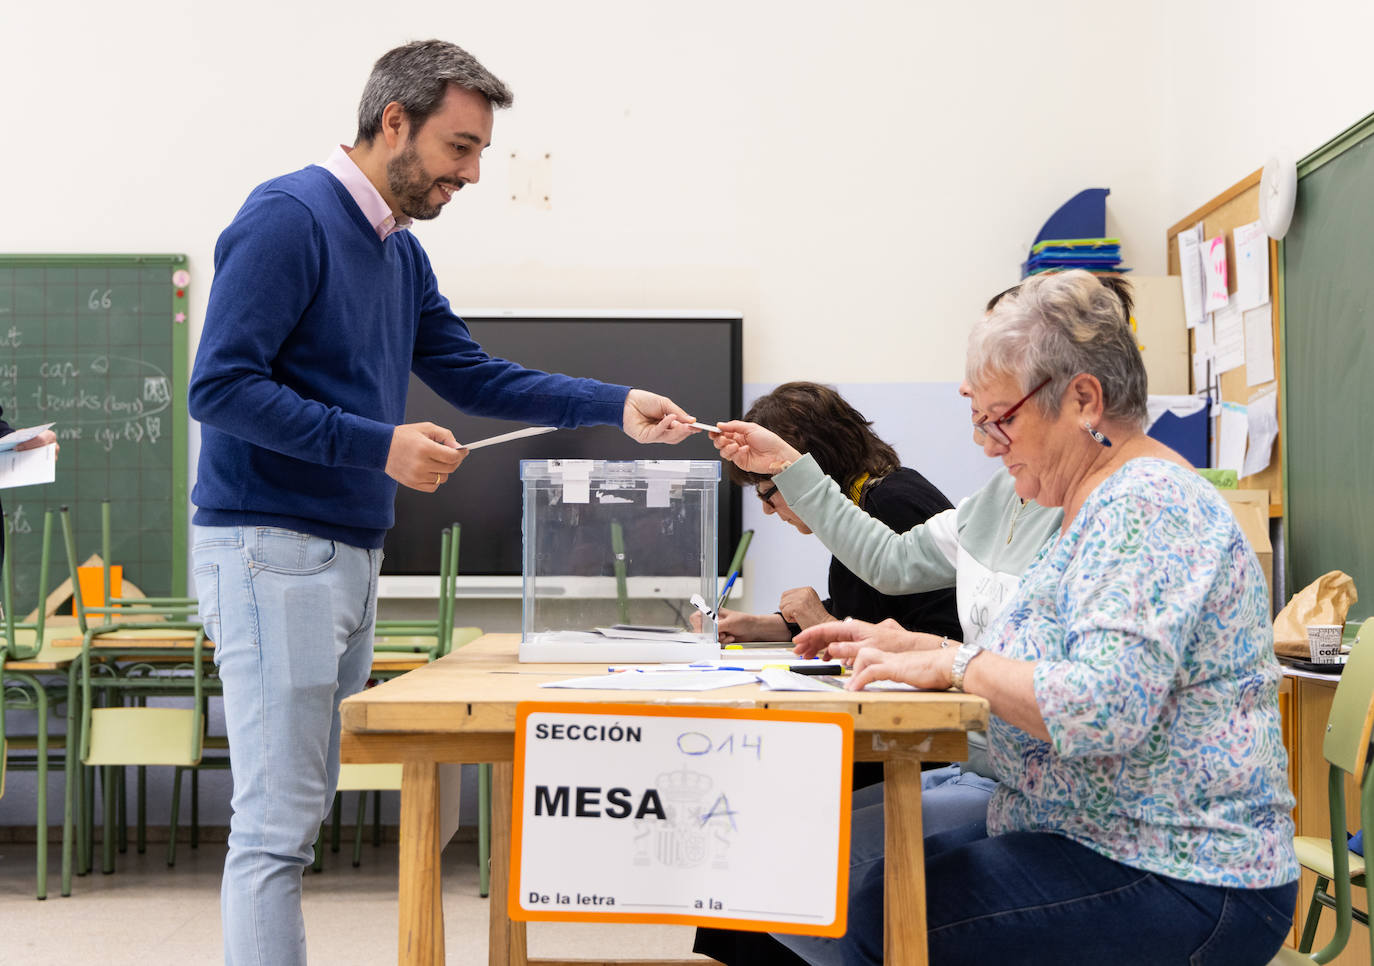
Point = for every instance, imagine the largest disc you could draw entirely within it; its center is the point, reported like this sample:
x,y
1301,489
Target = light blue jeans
x,y
291,616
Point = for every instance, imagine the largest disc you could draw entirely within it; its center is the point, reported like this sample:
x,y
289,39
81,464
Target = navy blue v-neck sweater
x,y
313,327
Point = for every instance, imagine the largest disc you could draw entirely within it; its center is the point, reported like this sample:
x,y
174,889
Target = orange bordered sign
x,y
729,817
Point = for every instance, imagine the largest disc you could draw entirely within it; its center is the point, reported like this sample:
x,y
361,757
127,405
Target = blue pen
x,y
729,582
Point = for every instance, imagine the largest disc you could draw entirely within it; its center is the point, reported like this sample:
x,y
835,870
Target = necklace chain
x,y
1016,515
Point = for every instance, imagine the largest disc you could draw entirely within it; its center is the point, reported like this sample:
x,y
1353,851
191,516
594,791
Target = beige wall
x,y
875,169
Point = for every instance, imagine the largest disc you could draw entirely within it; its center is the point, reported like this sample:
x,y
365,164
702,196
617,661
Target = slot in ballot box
x,y
614,553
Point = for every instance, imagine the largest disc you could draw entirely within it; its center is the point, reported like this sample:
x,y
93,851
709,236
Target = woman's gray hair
x,y
1055,326
417,75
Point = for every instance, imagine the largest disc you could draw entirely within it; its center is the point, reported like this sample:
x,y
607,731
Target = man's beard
x,y
410,185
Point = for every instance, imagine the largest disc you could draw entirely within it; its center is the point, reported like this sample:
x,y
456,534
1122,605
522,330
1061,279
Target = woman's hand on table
x,y
929,670
844,639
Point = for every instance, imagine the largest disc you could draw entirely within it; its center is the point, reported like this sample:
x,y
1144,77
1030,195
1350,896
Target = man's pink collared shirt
x,y
364,193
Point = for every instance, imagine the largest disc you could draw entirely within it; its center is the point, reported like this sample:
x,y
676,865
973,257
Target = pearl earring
x,y
1097,435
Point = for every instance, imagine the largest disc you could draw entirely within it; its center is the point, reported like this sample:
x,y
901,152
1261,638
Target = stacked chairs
x,y
131,650
32,679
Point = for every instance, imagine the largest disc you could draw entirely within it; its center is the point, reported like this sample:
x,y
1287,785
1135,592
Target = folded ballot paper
x,y
623,642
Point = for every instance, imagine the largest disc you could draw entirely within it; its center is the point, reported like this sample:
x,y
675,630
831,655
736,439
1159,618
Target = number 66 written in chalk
x,y
96,301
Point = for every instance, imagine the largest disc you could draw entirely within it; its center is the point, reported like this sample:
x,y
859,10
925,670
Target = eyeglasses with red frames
x,y
984,428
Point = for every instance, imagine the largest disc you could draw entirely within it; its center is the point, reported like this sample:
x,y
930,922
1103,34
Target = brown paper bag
x,y
1324,601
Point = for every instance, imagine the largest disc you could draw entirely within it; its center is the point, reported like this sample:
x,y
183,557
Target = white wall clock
x,y
1278,192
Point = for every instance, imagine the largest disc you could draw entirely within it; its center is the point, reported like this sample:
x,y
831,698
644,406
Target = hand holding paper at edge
x,y
30,438
651,418
753,448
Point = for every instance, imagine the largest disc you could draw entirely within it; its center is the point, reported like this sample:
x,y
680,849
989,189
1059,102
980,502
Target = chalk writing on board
x,y
17,521
116,399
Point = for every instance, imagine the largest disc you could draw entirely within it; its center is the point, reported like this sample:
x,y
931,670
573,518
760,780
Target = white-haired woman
x,y
1143,811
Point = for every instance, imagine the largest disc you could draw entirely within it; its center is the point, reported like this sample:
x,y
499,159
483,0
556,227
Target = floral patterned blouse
x,y
1155,673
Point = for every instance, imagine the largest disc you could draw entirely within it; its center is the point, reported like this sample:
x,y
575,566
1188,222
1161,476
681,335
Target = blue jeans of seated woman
x,y
291,616
1032,897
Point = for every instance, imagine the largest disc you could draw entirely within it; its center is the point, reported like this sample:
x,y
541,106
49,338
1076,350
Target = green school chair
x,y
1347,749
155,652
32,678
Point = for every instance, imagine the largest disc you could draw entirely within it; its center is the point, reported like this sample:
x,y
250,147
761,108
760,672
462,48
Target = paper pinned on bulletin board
x,y
1252,266
1259,345
1203,353
1190,270
1231,436
1214,272
1228,333
1262,416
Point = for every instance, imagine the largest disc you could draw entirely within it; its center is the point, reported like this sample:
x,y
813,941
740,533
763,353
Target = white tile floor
x,y
146,914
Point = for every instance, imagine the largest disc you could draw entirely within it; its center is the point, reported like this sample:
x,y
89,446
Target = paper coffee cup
x,y
1324,642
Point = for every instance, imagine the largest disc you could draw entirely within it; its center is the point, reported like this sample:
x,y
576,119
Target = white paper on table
x,y
1214,272
658,681
891,686
1228,334
1202,355
1190,268
1231,437
1259,345
28,468
1263,417
779,679
1252,266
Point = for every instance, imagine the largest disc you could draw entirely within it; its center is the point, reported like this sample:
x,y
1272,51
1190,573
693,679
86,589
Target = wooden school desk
x,y
461,708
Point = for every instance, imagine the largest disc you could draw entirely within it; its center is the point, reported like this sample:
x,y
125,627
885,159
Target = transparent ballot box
x,y
614,552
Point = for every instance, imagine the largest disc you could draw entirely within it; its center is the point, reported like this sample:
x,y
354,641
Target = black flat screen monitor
x,y
694,360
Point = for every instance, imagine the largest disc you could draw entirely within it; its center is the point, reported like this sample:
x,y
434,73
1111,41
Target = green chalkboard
x,y
97,345
1327,286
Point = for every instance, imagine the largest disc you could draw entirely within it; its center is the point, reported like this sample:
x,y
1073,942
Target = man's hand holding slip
x,y
422,456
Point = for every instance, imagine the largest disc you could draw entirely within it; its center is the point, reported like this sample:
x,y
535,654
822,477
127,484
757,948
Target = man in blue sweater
x,y
321,307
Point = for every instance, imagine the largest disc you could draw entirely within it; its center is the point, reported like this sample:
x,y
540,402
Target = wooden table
x,y
461,708
384,662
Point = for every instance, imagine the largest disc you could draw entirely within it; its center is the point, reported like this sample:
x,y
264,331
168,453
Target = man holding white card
x,y
321,307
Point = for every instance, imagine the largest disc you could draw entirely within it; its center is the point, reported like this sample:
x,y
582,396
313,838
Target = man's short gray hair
x,y
416,75
1055,326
